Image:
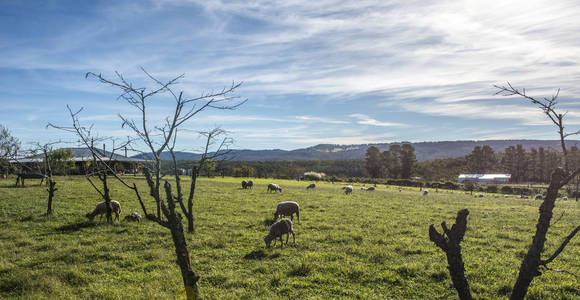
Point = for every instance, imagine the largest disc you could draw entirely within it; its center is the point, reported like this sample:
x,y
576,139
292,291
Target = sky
x,y
331,72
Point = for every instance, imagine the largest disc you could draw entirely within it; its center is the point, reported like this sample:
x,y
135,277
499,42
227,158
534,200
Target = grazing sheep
x,y
506,196
539,197
278,229
400,190
244,184
272,187
565,198
250,184
311,186
362,188
134,216
287,208
347,189
101,209
480,195
425,192
370,189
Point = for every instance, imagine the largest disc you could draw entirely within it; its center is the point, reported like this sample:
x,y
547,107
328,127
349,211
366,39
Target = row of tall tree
x,y
397,162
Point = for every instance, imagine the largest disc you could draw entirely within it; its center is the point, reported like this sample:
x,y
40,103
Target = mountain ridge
x,y
423,150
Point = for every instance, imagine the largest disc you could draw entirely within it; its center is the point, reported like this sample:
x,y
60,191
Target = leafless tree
x,y
163,138
47,169
532,264
100,166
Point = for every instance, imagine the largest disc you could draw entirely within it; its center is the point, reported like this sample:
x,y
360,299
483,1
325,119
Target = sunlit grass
x,y
365,245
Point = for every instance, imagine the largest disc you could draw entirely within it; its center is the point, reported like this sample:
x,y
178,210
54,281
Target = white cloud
x,y
366,120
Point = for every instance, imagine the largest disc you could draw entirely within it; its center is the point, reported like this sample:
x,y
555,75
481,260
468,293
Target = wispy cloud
x,y
366,120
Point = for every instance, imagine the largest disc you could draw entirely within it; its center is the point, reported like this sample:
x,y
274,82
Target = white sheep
x,y
250,184
565,198
272,187
311,186
370,189
244,184
287,208
101,209
278,229
134,216
347,189
425,192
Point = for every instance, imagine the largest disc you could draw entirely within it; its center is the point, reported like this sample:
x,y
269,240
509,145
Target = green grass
x,y
364,245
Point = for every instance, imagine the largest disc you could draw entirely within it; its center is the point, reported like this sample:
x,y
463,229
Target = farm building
x,y
484,178
83,155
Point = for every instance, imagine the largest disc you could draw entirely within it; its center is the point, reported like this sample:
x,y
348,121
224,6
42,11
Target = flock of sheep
x,y
283,209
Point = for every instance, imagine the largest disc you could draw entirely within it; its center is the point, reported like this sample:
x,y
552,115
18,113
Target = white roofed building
x,y
484,178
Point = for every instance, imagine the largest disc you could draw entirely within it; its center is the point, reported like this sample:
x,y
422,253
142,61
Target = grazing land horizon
x,y
371,245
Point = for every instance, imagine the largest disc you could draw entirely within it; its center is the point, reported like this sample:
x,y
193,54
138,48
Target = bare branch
x,y
562,246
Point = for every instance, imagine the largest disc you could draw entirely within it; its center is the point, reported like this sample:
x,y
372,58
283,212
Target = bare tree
x,y
222,149
532,263
163,138
47,171
100,165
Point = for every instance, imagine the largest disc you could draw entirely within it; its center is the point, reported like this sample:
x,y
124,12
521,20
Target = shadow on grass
x,y
268,221
75,226
261,254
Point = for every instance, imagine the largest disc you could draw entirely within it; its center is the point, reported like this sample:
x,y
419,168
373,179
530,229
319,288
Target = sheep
x,y
362,188
274,187
311,186
400,190
425,192
250,184
370,189
101,209
506,196
347,189
287,208
565,198
480,195
278,229
244,184
539,197
134,216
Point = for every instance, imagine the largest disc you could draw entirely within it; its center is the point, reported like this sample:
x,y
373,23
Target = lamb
x,y
347,189
311,186
102,209
274,187
134,216
370,189
287,208
244,184
278,229
250,184
425,192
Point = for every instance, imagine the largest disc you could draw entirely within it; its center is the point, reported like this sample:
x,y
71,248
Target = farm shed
x,y
83,155
484,178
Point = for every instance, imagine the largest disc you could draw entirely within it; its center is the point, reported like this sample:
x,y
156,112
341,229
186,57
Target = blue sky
x,y
340,72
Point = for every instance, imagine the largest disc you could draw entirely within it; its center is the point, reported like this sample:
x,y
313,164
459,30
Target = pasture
x,y
371,245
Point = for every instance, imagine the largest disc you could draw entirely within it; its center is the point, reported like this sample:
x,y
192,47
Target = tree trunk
x,y
189,276
449,242
51,189
107,198
531,262
189,213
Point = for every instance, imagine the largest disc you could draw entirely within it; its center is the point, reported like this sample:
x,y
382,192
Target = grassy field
x,y
365,245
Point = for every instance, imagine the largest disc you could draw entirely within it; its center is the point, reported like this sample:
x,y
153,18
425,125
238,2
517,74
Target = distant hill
x,y
423,150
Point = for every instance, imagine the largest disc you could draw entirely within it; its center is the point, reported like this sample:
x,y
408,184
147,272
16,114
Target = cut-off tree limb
x,y
449,241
